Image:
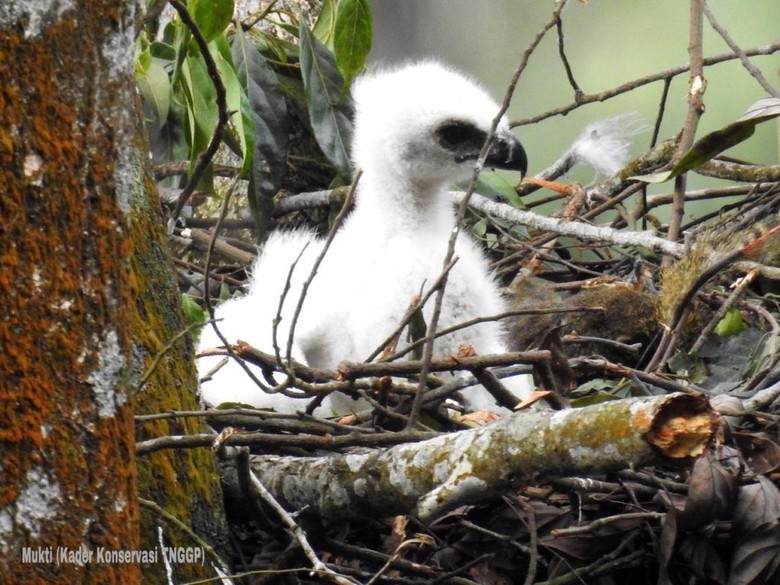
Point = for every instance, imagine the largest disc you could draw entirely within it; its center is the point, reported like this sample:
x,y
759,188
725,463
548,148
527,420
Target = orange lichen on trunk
x,y
66,426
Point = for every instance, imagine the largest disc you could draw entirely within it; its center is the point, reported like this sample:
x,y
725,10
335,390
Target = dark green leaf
x,y
200,96
711,145
234,96
163,51
352,37
212,16
265,108
330,109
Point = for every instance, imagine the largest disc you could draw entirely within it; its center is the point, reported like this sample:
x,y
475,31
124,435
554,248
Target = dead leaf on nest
x,y
477,419
535,397
466,350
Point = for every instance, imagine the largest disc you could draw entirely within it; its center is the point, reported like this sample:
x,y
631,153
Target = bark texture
x,y
182,482
88,300
68,476
434,476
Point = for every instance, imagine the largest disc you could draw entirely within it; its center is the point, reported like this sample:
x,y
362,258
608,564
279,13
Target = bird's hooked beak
x,y
507,153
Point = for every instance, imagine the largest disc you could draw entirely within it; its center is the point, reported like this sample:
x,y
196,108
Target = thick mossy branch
x,y
437,475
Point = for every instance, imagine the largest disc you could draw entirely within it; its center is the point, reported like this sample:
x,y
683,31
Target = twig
x,y
171,519
332,234
260,491
277,440
351,370
601,522
182,167
217,244
204,158
752,69
762,398
696,88
636,83
744,282
562,53
533,537
499,317
767,363
207,295
161,354
249,23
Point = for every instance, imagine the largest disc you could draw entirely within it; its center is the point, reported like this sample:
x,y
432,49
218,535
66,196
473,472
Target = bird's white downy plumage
x,y
417,130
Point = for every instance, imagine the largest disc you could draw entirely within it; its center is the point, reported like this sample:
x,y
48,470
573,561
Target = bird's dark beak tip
x,y
508,155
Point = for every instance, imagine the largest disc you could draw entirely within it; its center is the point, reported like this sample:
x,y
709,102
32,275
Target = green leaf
x,y
212,16
495,186
266,111
480,229
330,108
193,312
326,23
712,144
352,37
731,324
155,88
143,54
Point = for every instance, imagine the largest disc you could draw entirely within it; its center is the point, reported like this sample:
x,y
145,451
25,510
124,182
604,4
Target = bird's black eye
x,y
460,136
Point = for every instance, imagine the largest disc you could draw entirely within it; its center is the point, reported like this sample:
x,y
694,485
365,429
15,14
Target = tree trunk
x,y
68,470
87,302
184,483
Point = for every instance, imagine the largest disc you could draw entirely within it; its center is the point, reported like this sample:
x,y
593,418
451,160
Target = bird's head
x,y
426,124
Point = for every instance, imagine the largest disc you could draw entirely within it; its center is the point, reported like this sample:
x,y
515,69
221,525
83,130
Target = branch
x,y
434,476
278,440
696,87
576,229
752,69
632,85
352,370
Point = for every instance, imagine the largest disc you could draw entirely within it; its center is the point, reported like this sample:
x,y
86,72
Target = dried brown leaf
x,y
703,559
756,559
712,492
759,452
758,504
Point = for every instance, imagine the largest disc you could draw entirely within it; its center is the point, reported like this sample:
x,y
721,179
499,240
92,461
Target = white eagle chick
x,y
417,130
